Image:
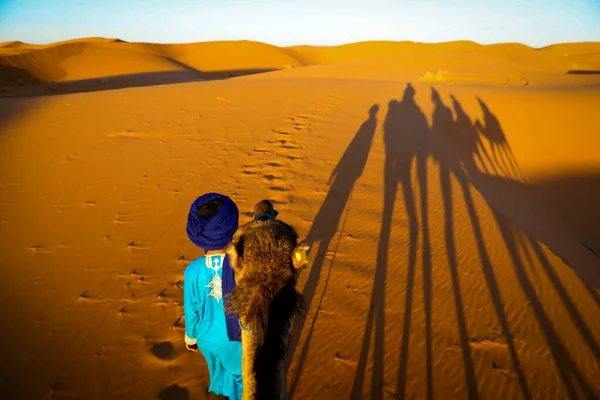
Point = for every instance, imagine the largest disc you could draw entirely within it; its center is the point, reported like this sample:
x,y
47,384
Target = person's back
x,y
212,221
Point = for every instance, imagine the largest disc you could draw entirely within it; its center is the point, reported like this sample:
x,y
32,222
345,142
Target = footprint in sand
x,y
285,144
174,392
300,122
86,297
147,135
161,297
135,245
249,170
178,324
67,159
274,164
281,189
282,132
36,249
163,350
293,158
277,141
134,272
122,219
283,151
61,208
83,295
271,178
323,109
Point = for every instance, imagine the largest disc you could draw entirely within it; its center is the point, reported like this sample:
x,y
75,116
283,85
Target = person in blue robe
x,y
212,221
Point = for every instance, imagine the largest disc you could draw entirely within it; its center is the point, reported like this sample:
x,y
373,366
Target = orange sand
x,y
453,278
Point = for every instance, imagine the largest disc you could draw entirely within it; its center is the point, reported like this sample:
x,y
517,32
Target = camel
x,y
501,151
266,257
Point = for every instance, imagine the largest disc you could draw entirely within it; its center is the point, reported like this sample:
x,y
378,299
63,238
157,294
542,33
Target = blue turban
x,y
216,232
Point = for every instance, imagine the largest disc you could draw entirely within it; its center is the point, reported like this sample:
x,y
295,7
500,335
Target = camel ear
x,y
299,256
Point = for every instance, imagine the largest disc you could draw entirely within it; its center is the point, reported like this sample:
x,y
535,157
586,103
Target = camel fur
x,y
266,258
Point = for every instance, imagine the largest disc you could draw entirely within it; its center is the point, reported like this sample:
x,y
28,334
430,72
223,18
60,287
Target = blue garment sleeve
x,y
191,303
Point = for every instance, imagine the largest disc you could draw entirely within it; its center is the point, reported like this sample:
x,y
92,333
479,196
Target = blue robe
x,y
205,325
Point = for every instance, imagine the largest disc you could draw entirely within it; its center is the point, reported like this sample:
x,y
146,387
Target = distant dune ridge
x,y
89,59
450,192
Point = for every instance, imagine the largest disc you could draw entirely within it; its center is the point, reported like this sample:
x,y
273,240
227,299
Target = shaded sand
x,y
455,252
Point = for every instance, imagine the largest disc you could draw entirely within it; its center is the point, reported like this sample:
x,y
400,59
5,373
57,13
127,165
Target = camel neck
x,y
264,365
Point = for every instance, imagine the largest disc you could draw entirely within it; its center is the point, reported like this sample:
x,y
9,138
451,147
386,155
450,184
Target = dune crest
x,y
135,64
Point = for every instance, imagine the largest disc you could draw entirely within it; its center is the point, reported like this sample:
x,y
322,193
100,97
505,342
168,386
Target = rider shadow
x,y
325,225
406,135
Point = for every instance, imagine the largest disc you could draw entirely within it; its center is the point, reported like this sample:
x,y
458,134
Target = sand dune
x,y
97,60
88,59
470,271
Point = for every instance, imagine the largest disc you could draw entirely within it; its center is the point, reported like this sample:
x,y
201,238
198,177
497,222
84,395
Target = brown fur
x,y
265,208
263,256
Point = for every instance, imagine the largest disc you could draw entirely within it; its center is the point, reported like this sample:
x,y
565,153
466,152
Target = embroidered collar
x,y
215,263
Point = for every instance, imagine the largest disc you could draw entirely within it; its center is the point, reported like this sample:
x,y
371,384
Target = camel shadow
x,y
458,153
469,157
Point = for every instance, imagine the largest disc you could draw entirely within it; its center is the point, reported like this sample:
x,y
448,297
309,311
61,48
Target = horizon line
x,y
117,39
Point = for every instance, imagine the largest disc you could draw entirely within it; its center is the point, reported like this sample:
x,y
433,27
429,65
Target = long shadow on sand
x,y
461,135
342,180
459,149
36,88
174,392
12,108
15,76
405,129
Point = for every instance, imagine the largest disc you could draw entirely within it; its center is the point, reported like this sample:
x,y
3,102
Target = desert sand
x,y
456,249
